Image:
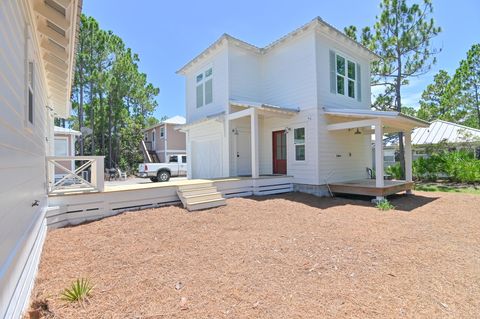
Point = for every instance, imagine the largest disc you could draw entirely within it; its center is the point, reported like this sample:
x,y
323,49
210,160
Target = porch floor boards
x,y
367,187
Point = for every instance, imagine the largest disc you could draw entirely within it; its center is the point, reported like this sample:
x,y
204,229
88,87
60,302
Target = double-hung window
x,y
344,76
162,132
299,141
204,87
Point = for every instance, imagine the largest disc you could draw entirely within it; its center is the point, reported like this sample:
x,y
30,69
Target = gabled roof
x,y
316,22
442,131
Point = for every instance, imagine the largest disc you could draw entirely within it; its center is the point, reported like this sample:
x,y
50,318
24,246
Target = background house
x,y
64,145
439,135
164,139
37,45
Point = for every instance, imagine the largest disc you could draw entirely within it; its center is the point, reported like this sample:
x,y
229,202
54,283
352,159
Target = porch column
x,y
379,182
408,156
254,142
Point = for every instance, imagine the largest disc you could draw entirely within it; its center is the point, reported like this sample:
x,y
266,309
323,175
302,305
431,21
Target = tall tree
x,y
468,78
440,99
401,37
111,96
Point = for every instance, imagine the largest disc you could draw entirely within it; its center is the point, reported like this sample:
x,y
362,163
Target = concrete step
x,y
206,204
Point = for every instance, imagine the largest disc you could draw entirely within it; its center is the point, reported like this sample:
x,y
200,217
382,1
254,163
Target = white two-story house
x,y
299,107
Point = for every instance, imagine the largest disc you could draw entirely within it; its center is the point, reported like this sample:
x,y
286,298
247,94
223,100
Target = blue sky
x,y
167,34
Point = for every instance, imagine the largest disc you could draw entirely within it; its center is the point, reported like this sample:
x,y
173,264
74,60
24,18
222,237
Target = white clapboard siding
x,y
22,162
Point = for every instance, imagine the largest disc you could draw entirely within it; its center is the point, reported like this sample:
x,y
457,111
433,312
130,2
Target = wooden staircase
x,y
200,196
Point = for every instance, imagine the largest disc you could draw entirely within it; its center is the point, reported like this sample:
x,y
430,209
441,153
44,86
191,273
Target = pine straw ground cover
x,y
289,256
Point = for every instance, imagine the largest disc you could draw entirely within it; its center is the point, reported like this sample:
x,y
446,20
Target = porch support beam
x,y
408,156
352,124
254,142
379,181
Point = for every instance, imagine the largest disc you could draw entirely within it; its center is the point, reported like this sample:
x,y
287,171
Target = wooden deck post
x,y
408,158
379,181
254,142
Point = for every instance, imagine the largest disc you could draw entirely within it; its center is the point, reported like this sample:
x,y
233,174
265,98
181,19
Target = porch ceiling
x,y
56,23
392,121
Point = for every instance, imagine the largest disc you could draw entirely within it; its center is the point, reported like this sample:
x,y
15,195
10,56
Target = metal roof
x,y
62,130
393,116
266,106
442,131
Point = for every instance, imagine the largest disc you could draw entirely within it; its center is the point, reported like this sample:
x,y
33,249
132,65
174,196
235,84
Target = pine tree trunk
x,y
398,93
80,116
110,133
477,104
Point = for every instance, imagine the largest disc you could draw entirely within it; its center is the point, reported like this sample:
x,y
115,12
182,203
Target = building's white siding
x,y
245,74
22,160
219,63
289,74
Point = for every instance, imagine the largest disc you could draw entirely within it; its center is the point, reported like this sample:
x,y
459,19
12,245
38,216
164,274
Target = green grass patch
x,y
448,188
384,205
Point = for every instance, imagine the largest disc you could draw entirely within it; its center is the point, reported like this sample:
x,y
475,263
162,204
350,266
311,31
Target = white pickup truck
x,y
161,172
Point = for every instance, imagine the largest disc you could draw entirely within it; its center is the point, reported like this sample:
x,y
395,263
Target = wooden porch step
x,y
200,196
206,204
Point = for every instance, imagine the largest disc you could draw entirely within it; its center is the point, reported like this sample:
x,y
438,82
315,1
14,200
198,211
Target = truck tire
x,y
154,179
163,176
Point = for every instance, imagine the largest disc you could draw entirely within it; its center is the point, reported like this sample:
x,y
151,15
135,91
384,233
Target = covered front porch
x,y
376,123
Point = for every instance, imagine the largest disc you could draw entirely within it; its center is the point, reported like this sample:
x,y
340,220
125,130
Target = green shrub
x,y
395,171
78,291
457,166
384,205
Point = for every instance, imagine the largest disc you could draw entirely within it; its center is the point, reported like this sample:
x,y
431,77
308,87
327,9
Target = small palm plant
x,y
78,291
384,205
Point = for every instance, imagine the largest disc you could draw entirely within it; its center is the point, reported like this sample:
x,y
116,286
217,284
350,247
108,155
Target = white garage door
x,y
207,158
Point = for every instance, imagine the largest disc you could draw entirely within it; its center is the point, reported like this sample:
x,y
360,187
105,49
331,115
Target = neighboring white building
x,y
299,106
37,53
64,145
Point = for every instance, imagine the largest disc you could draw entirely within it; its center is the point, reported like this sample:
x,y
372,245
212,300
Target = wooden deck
x,y
78,206
367,187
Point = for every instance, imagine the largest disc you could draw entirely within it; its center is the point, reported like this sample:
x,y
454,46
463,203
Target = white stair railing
x,y
71,169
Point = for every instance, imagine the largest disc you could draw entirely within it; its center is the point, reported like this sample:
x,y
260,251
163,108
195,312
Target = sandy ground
x,y
289,256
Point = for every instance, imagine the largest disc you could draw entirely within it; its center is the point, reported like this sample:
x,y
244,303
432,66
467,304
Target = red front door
x,y
279,151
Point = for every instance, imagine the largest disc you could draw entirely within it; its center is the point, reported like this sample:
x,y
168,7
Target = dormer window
x,y
204,84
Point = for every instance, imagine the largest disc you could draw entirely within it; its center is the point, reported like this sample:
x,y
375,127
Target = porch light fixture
x,y
357,132
235,131
287,129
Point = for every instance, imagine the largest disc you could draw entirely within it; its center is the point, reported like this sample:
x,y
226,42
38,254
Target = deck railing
x,y
75,174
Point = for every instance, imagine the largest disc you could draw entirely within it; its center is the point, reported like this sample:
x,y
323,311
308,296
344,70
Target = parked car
x,y
161,172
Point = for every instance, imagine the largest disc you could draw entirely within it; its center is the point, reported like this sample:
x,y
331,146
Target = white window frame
x,y
203,80
345,76
162,132
295,144
29,81
153,138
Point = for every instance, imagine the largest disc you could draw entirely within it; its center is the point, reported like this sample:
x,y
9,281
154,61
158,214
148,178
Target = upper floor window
x,y
344,76
153,136
204,85
30,102
162,132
